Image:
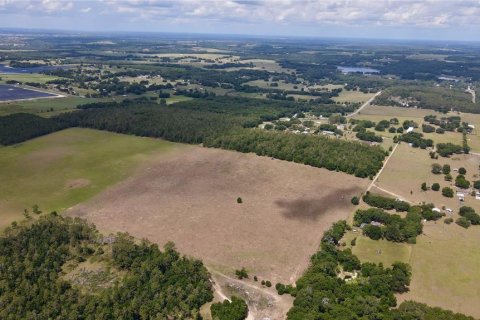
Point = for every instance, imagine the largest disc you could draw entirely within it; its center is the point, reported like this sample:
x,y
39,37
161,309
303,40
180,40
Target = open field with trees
x,y
284,209
65,168
445,261
278,155
410,167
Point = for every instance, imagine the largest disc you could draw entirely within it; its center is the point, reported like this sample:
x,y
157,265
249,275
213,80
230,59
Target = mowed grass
x,y
62,169
445,265
378,251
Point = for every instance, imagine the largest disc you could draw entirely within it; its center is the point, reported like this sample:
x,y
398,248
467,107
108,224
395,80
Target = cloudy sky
x,y
407,19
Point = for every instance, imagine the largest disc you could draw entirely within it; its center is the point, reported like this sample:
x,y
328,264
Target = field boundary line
x,y
367,103
383,167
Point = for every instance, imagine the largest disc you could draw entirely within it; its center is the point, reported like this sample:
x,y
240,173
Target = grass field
x,y
27,77
174,99
190,197
445,264
381,251
410,167
62,169
353,96
43,107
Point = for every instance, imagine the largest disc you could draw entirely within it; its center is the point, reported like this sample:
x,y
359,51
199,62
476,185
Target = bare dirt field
x,y
190,197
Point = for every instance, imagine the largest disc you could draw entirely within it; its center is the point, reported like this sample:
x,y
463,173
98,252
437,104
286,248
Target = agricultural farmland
x,y
190,197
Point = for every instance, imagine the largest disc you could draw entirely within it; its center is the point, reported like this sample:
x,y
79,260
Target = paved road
x,y
364,105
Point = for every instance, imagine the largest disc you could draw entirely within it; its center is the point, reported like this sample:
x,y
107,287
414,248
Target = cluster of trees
x,y
236,309
468,217
416,139
174,124
350,157
447,149
365,135
378,224
387,203
155,284
19,127
321,294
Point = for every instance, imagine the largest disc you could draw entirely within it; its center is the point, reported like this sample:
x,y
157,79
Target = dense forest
x,y
19,127
318,151
155,284
220,122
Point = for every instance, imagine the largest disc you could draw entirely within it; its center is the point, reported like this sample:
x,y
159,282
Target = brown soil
x,y
190,197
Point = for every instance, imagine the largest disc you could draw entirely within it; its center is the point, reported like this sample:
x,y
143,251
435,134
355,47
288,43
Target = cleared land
x,y
27,77
353,96
381,251
190,197
445,264
62,169
410,167
47,108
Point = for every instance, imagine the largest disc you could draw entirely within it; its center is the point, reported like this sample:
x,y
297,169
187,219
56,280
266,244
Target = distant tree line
x,y
19,127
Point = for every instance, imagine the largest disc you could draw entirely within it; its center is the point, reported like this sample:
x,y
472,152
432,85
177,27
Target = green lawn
x,y
386,252
445,265
62,169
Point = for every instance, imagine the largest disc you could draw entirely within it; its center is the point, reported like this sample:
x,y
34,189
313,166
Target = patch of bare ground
x,y
190,197
77,183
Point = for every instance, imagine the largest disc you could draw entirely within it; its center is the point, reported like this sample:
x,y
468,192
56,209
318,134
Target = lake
x,y
357,69
8,92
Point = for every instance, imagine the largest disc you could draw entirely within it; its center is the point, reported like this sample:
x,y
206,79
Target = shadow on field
x,y
312,209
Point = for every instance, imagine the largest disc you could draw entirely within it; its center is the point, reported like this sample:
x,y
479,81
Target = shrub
x,y
461,182
446,169
462,170
353,242
476,184
239,200
435,186
448,220
242,273
447,192
463,222
424,186
268,283
436,168
355,200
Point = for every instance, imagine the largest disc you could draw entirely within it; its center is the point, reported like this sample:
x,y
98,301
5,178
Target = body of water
x,y
357,69
6,69
8,92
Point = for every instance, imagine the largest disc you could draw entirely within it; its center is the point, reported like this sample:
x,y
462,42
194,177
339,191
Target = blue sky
x,y
405,19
